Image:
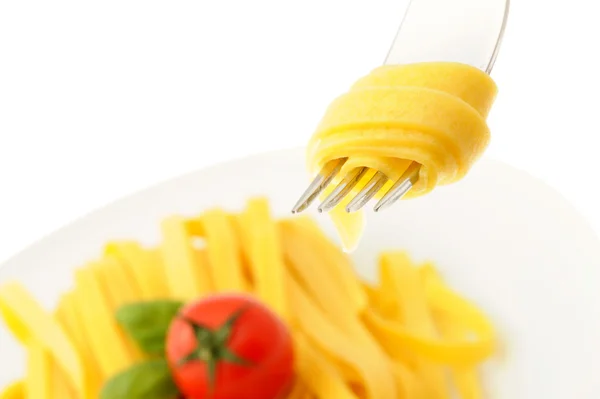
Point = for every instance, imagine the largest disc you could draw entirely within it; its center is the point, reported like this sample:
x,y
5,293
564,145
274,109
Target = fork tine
x,y
400,187
368,192
342,189
323,178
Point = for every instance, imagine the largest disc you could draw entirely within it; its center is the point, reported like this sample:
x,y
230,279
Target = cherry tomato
x,y
230,346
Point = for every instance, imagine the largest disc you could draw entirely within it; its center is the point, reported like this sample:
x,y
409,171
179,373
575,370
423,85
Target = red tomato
x,y
230,346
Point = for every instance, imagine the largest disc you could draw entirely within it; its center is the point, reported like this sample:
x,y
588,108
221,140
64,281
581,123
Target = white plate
x,y
503,238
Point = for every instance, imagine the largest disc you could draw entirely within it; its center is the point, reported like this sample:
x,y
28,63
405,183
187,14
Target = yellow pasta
x,y
322,378
416,314
33,326
319,260
265,257
38,377
68,317
120,287
363,362
298,391
465,376
59,384
430,113
453,351
223,250
381,302
186,279
99,323
156,275
145,266
406,336
16,390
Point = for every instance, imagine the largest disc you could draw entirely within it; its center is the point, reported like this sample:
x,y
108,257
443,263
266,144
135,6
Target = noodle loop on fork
x,y
431,114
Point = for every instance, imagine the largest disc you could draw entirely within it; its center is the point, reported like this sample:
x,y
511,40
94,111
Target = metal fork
x,y
466,31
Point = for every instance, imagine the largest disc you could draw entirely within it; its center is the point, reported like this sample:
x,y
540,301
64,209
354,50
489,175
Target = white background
x,y
99,99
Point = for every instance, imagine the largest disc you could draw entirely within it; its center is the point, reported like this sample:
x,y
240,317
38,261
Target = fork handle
x,y
465,31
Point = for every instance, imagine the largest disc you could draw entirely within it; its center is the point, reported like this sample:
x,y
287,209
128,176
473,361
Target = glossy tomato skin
x,y
258,336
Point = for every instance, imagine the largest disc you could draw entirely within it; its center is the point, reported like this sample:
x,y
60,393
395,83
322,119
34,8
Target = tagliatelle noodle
x,y
184,278
15,390
38,376
66,315
306,246
37,329
145,266
224,251
265,255
100,325
364,362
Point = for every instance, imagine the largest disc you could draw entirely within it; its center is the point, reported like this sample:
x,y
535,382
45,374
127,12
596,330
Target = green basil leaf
x,y
147,380
147,323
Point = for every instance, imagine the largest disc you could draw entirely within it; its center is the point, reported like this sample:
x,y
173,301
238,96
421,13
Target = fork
x,y
466,31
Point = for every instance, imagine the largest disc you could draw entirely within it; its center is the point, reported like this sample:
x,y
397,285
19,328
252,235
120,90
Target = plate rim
x,y
220,164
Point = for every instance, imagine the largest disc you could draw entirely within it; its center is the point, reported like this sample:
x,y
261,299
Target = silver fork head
x,y
349,181
429,31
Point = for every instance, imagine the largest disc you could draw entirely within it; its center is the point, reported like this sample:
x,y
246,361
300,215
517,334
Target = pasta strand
x,y
185,278
100,324
35,327
266,255
224,252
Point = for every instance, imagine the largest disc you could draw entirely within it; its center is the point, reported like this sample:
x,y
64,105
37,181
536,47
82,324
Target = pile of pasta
x,y
408,336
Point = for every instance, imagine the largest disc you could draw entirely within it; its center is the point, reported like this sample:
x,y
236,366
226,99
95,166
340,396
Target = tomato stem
x,y
212,346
